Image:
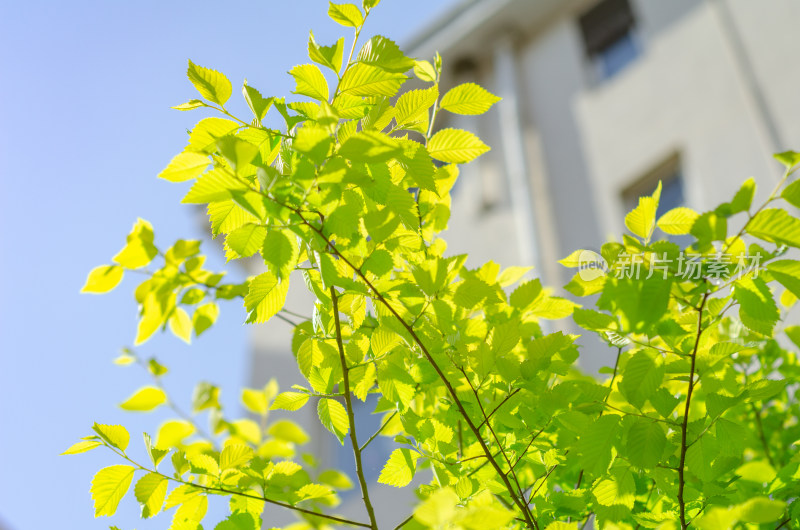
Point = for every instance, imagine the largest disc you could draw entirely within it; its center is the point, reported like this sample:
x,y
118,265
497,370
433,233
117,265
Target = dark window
x,y
608,37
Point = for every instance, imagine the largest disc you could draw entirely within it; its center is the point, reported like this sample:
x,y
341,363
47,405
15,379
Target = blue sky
x,y
85,126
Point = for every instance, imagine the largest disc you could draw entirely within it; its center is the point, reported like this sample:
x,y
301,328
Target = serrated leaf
x,y
370,147
456,146
265,297
235,455
259,105
115,435
247,240
646,442
109,486
255,401
102,279
310,82
347,15
204,135
468,98
280,252
329,56
190,105
237,152
333,417
678,221
642,219
185,166
411,109
777,226
289,401
641,377
367,81
150,491
211,84
400,468
384,53
744,196
425,71
144,399
214,185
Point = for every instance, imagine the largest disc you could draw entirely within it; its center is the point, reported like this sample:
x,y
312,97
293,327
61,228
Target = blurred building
x,y
601,100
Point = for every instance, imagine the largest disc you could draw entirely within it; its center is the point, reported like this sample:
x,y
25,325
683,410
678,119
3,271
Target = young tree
x,y
696,424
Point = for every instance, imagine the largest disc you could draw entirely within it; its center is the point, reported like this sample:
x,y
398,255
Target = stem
x,y
350,416
381,428
508,396
763,438
241,494
681,478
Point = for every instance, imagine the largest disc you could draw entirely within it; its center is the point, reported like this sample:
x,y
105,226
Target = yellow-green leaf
x,y
310,82
211,84
145,399
289,401
102,279
642,219
180,323
400,468
347,15
265,297
185,166
139,249
456,146
678,221
468,98
367,80
333,417
109,486
150,491
254,400
115,435
82,447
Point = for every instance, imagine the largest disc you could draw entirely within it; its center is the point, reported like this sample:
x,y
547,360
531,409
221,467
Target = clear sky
x,y
85,126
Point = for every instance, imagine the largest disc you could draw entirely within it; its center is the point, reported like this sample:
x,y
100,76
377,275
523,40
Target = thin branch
x,y
241,494
508,396
350,415
684,429
381,428
761,436
405,522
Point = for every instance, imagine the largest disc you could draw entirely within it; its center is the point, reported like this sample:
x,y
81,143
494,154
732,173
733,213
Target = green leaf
x,y
185,166
145,399
240,521
289,401
255,401
411,109
759,471
115,435
190,105
109,486
280,252
641,377
288,431
180,323
456,146
642,219
761,510
82,447
744,196
425,71
347,15
211,84
310,82
237,152
787,272
139,250
103,279
758,309
370,147
259,105
646,442
678,221
384,53
203,137
150,491
235,455
335,478
155,454
367,81
265,297
247,240
777,226
333,417
204,317
468,98
788,158
400,468
596,442
329,56
214,185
